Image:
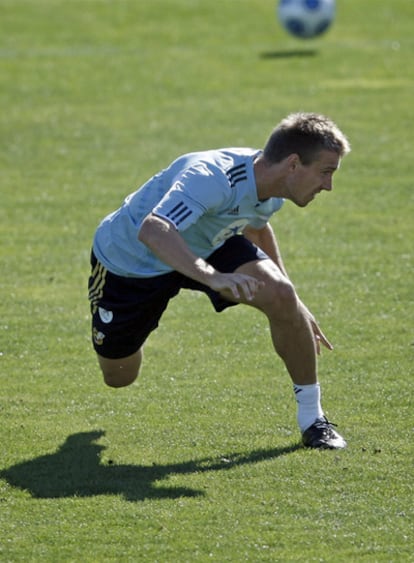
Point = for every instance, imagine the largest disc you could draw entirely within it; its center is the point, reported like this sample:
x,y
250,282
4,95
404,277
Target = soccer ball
x,y
306,18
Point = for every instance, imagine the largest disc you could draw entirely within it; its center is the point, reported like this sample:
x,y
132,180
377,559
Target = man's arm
x,y
163,239
266,240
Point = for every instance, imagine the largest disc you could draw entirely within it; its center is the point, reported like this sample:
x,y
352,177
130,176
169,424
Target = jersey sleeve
x,y
196,191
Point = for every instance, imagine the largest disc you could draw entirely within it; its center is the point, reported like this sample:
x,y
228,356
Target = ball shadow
x,y
289,54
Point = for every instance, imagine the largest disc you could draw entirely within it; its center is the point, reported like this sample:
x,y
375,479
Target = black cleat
x,y
322,435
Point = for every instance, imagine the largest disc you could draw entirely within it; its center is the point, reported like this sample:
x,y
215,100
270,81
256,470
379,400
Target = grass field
x,y
201,460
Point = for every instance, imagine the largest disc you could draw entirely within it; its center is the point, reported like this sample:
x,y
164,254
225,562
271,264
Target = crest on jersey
x,y
235,228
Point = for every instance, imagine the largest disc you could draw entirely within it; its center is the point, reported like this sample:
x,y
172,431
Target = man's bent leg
x,y
294,341
121,372
291,331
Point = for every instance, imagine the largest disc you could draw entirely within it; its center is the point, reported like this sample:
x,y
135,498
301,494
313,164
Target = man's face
x,y
304,182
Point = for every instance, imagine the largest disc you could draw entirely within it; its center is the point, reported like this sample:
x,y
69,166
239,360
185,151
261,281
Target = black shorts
x,y
126,310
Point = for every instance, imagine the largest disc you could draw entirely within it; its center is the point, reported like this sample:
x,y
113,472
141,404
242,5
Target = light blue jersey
x,y
209,196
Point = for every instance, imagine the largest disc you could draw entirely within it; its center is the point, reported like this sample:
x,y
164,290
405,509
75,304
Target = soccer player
x,y
203,224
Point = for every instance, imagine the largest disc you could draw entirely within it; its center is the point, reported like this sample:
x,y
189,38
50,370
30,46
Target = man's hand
x,y
240,286
320,338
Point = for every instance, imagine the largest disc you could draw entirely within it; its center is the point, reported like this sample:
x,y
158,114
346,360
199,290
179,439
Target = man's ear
x,y
293,161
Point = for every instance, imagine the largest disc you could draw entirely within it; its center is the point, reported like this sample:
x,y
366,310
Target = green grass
x,y
200,459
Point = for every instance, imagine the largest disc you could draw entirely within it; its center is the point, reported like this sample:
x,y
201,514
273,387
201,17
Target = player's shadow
x,y
75,470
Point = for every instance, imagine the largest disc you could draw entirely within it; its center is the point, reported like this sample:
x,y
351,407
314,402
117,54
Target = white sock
x,y
308,398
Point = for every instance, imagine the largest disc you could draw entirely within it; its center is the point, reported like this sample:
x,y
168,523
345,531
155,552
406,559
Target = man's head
x,y
300,157
305,134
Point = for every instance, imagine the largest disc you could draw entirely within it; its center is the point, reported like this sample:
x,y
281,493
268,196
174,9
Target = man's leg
x,y
120,372
124,312
294,341
291,332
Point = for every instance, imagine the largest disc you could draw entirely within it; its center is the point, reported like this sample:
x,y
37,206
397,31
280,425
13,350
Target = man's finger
x,y
325,341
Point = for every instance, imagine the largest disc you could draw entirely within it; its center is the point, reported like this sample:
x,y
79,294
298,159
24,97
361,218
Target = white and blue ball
x,y
306,18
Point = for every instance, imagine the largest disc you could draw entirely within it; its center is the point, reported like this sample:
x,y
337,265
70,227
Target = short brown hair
x,y
305,134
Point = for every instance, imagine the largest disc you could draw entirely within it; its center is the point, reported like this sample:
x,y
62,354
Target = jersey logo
x,y
237,174
234,228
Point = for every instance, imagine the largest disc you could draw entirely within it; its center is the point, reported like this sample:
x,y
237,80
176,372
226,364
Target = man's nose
x,y
327,184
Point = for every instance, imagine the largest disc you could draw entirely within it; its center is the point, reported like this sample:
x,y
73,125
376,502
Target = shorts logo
x,y
106,316
98,337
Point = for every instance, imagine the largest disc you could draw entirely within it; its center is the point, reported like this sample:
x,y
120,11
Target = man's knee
x,y
281,298
120,372
116,380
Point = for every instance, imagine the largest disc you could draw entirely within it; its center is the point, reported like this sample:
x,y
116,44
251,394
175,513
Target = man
x,y
203,223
